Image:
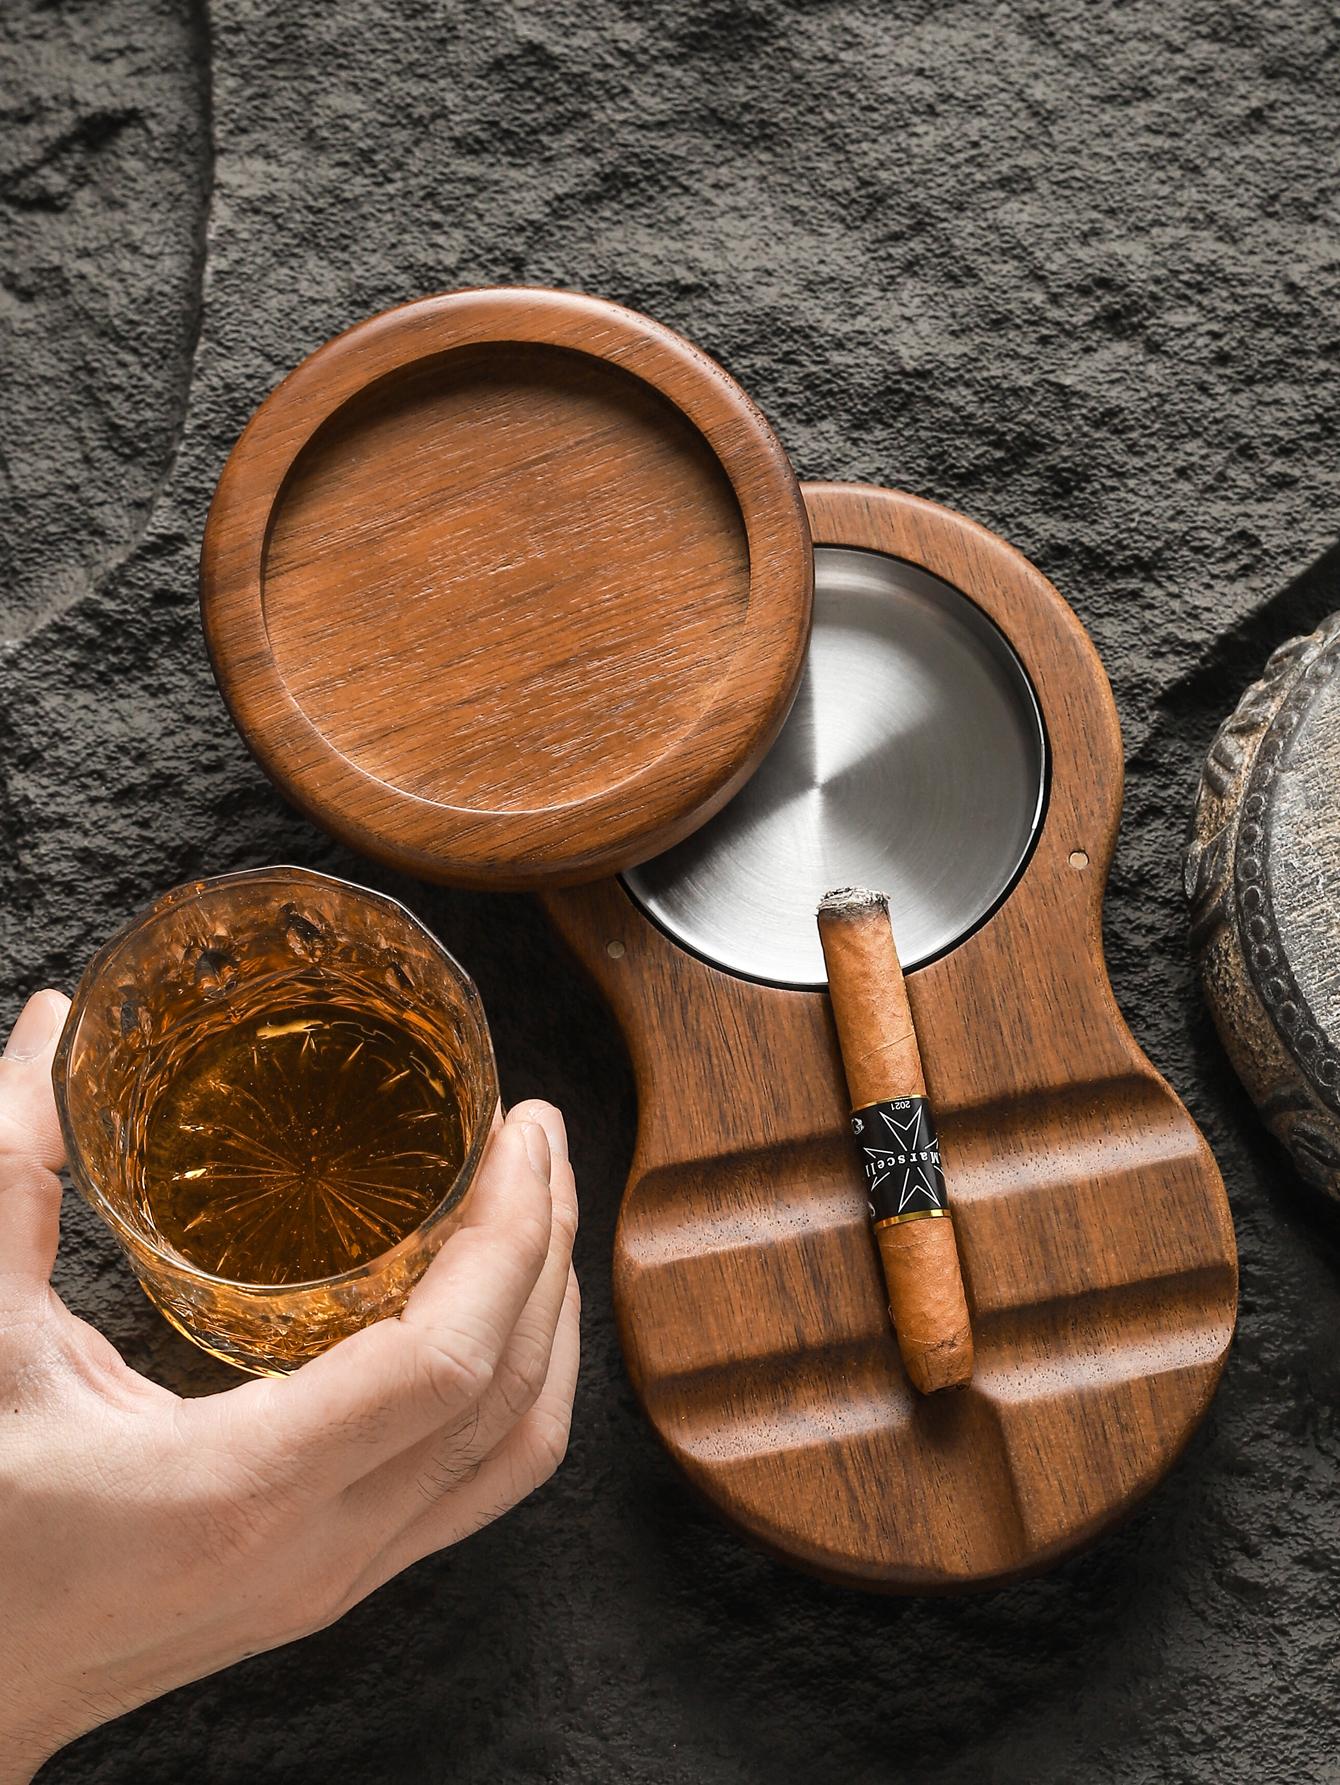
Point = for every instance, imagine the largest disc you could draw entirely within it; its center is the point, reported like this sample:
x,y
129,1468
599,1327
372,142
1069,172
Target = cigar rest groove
x,y
1096,1242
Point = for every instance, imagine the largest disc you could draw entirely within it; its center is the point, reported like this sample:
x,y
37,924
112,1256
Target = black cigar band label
x,y
899,1152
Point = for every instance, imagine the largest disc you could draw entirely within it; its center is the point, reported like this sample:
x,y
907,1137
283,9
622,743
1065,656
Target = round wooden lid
x,y
508,588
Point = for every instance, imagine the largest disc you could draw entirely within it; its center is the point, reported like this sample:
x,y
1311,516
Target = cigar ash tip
x,y
844,900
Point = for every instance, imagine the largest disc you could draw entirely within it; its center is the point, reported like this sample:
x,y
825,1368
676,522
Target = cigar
x,y
895,1137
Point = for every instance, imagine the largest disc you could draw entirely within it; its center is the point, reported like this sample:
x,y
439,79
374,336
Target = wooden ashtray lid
x,y
508,588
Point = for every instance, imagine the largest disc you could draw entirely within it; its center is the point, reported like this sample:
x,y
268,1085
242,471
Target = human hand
x,y
146,1540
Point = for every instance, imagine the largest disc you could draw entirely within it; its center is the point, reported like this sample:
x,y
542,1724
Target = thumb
x,y
30,1144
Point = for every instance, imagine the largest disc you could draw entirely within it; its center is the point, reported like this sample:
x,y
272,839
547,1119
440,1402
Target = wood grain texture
x,y
508,587
1095,1236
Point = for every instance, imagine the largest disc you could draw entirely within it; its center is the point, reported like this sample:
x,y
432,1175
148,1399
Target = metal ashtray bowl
x,y
914,760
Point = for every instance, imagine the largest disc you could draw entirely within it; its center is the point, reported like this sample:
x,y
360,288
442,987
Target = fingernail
x,y
555,1133
551,1121
38,1021
536,1143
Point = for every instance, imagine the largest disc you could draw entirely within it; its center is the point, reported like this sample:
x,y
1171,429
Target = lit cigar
x,y
895,1139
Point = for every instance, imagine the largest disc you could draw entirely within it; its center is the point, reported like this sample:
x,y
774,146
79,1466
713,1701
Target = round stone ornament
x,y
1263,883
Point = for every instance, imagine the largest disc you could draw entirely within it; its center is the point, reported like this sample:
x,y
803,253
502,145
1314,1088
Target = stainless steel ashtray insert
x,y
914,760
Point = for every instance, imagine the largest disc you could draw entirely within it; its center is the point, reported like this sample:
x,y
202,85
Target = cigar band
x,y
899,1152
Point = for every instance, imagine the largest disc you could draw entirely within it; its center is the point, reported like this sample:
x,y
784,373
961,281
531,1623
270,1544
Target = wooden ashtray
x,y
1094,1231
508,587
515,589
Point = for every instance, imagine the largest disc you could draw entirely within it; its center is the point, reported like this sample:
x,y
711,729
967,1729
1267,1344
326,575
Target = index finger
x,y
390,1385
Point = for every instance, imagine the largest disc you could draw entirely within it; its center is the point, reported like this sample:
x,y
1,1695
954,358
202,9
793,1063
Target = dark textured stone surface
x,y
1073,269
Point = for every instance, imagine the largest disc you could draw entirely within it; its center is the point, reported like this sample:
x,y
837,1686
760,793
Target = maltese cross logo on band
x,y
902,1166
919,1186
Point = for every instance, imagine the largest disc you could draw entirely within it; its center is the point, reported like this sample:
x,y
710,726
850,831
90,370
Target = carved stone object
x,y
1263,882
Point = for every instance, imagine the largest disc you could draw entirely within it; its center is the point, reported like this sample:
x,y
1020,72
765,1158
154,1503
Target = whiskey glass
x,y
283,982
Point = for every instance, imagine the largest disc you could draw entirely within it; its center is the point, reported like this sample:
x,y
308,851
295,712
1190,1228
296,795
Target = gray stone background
x,y
1071,268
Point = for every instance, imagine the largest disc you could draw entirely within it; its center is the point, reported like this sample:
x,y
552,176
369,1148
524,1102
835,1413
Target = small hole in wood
x,y
615,950
1078,859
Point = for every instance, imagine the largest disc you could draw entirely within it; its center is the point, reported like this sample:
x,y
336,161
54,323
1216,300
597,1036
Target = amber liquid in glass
x,y
298,1142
